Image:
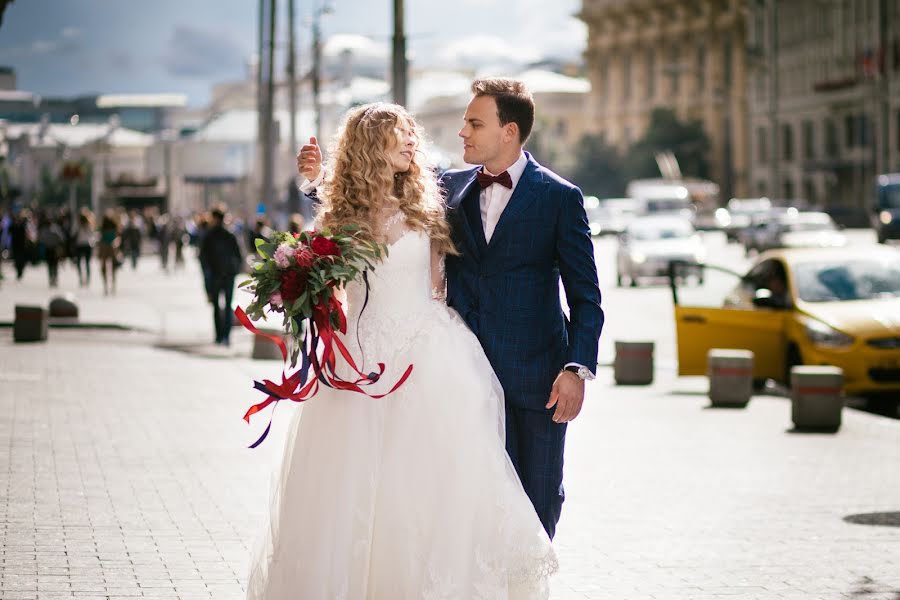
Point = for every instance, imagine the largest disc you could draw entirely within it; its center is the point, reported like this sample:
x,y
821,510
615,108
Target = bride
x,y
411,496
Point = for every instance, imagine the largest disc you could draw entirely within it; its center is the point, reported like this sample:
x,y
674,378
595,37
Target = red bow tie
x,y
485,180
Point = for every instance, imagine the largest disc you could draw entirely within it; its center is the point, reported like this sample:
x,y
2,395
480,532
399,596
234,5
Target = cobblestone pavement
x,y
125,475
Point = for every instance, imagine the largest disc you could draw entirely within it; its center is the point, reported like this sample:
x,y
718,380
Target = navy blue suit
x,y
507,291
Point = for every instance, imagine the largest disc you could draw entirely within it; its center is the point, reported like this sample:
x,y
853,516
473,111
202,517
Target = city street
x,y
126,472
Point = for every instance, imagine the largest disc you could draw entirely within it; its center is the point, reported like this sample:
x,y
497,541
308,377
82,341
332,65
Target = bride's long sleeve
x,y
438,275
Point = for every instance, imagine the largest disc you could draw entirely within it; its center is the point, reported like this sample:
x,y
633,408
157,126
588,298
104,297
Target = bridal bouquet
x,y
296,277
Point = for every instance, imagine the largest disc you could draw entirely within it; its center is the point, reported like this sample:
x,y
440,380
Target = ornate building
x,y
824,100
687,55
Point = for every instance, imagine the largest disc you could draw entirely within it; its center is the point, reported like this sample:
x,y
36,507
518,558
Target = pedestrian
x,y
51,240
220,257
132,236
180,237
295,225
85,239
22,240
164,237
108,250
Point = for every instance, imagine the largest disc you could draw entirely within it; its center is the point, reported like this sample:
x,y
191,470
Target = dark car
x,y
886,209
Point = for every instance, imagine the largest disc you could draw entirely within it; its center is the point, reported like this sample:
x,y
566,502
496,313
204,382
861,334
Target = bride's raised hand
x,y
309,159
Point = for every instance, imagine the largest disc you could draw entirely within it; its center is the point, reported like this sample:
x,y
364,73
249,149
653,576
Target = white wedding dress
x,y
411,496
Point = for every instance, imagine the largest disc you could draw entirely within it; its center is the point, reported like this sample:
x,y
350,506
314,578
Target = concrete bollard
x,y
633,364
64,306
264,348
30,324
730,375
817,397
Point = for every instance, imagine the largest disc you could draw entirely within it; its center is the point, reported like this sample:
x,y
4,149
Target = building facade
x,y
824,92
686,55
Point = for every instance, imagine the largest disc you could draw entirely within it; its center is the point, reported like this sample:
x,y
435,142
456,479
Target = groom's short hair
x,y
514,102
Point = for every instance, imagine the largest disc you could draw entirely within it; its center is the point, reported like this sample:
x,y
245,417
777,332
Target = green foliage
x,y
687,141
598,170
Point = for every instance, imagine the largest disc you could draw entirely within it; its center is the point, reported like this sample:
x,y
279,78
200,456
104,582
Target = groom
x,y
519,228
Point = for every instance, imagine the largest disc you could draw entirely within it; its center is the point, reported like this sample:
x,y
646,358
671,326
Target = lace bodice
x,y
400,300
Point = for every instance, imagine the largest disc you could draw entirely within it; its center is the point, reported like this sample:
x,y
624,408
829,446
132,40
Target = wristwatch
x,y
582,372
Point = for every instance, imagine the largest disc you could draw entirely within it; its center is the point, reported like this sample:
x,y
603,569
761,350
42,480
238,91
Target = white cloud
x,y
70,32
484,49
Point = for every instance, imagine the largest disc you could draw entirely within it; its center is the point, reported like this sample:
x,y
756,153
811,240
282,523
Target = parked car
x,y
805,306
800,230
740,213
886,221
609,216
651,242
751,236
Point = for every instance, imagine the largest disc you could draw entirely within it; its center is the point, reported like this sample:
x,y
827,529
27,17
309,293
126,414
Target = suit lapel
x,y
459,204
527,190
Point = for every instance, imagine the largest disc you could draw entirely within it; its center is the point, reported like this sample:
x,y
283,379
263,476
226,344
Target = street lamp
x,y
325,9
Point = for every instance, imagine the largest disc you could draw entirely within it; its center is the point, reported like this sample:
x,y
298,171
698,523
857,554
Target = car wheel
x,y
759,385
792,358
882,239
618,279
633,281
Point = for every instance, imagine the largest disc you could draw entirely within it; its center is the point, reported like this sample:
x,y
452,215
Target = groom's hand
x,y
567,395
309,159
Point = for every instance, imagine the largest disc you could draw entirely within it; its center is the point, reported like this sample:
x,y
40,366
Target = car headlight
x,y
822,335
886,217
638,257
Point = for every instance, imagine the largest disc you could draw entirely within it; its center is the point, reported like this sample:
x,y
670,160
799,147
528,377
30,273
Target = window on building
x,y
726,58
561,128
788,189
858,130
604,79
651,74
787,137
701,67
762,145
831,138
626,135
897,130
626,77
761,189
809,146
809,191
674,70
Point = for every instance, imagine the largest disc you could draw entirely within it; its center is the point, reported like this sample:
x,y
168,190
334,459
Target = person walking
x,y
52,243
220,257
110,244
85,239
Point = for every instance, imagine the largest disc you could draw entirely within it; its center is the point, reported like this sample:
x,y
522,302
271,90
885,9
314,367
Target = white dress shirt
x,y
495,197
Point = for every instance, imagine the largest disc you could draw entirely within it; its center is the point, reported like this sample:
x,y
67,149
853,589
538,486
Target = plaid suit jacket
x,y
507,290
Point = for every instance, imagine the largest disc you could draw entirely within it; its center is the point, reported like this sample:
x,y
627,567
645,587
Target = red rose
x,y
293,282
325,247
304,257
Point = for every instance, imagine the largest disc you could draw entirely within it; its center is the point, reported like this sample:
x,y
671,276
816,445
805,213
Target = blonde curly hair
x,y
361,179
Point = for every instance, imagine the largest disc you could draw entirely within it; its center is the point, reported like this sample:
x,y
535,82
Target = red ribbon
x,y
323,369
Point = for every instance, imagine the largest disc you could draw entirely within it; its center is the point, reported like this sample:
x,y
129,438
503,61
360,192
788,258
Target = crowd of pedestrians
x,y
32,237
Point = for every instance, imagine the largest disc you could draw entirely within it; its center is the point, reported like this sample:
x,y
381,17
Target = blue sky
x,y
70,47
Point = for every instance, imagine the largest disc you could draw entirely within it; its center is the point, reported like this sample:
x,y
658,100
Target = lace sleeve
x,y
438,276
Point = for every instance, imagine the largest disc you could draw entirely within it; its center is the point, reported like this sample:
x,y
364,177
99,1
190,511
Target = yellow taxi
x,y
806,306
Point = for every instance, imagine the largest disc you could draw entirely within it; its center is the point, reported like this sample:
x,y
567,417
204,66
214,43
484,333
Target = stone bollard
x,y
633,364
64,306
30,324
817,397
264,348
730,375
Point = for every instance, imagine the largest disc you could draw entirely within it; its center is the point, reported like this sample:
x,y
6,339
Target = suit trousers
x,y
535,444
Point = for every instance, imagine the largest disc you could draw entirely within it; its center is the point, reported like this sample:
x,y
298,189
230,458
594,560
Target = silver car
x,y
650,243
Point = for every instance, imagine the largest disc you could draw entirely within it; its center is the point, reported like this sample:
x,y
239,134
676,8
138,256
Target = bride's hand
x,y
309,160
567,395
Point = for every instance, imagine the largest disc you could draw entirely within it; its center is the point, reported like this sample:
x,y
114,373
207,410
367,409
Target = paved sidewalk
x,y
126,476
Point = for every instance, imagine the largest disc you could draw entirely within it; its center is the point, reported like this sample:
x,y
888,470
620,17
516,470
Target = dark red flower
x,y
293,282
324,247
304,257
